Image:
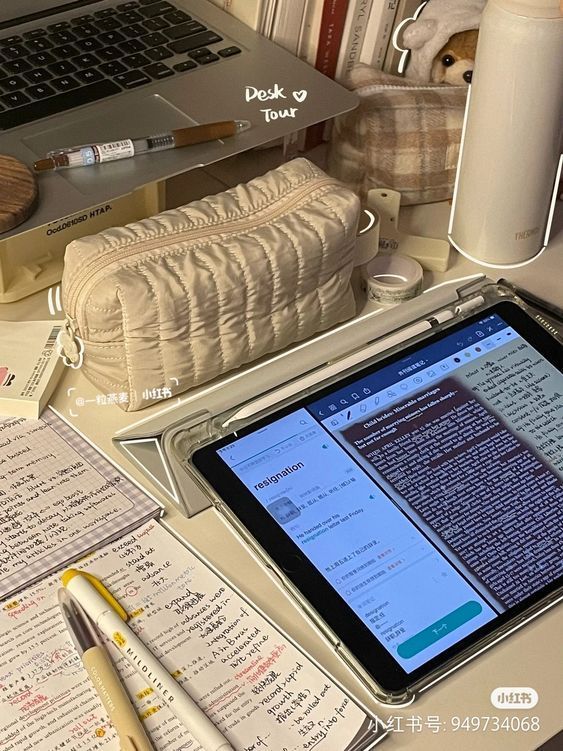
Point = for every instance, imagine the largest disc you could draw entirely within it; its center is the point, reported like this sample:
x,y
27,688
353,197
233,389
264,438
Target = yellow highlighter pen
x,y
99,667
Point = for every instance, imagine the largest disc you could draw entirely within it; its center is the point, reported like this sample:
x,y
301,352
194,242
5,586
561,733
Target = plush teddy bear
x,y
434,36
454,62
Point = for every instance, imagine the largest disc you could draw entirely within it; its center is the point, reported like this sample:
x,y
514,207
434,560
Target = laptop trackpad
x,y
143,117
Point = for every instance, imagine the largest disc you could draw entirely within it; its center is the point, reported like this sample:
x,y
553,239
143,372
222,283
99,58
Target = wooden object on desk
x,y
18,192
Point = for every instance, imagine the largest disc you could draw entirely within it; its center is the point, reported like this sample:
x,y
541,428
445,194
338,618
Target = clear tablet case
x,y
268,386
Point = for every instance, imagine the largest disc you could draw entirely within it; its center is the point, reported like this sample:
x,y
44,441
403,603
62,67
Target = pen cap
x,y
77,622
89,595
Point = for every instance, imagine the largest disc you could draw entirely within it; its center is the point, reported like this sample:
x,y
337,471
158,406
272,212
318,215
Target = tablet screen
x,y
428,492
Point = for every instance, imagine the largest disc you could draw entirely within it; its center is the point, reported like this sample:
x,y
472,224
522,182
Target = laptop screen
x,y
426,493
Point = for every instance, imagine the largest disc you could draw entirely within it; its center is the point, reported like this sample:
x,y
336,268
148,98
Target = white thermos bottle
x,y
511,146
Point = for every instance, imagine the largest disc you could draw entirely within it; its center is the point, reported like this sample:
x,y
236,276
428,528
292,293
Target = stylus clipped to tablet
x,y
341,365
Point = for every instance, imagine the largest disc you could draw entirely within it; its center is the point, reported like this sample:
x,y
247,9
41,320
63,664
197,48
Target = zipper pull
x,y
70,346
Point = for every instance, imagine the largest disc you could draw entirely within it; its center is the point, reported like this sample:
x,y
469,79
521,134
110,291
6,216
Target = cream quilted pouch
x,y
160,305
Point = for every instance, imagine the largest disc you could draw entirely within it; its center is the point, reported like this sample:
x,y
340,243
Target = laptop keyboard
x,y
54,68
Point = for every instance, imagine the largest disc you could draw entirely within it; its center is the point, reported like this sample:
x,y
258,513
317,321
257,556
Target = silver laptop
x,y
78,72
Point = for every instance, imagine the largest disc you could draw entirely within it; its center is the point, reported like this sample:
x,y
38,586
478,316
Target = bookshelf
x,y
330,35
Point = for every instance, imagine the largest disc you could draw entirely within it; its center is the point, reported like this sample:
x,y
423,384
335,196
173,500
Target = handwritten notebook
x,y
259,688
59,499
251,680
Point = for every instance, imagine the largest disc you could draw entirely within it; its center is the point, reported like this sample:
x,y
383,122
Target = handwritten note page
x,y
59,499
526,391
261,690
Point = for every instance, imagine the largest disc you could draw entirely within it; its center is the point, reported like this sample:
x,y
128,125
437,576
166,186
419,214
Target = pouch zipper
x,y
100,264
361,90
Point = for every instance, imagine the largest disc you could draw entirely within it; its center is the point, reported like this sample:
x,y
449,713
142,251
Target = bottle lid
x,y
532,8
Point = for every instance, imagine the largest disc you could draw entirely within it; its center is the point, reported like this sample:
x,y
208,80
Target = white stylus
x,y
316,378
108,615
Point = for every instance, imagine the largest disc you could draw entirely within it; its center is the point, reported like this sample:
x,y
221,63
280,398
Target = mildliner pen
x,y
121,712
97,153
109,617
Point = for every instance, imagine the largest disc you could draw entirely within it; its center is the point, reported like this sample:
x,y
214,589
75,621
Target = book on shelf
x,y
278,20
309,39
330,36
396,56
62,500
352,37
250,12
308,45
381,23
268,17
287,24
333,19
30,367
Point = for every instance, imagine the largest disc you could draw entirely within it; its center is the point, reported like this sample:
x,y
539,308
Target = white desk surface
x,y
531,657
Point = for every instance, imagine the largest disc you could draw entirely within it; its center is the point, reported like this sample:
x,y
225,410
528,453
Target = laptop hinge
x,y
19,20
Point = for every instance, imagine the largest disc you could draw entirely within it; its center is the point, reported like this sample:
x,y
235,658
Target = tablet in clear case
x,y
266,387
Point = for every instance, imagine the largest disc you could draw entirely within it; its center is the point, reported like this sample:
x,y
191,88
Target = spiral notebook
x,y
252,680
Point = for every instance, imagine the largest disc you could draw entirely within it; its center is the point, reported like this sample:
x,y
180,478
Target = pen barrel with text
x,y
148,666
131,733
159,679
89,155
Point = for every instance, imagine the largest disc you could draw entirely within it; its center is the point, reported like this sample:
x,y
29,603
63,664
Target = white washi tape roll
x,y
392,278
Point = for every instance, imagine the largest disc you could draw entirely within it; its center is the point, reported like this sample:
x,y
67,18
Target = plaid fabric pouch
x,y
402,136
